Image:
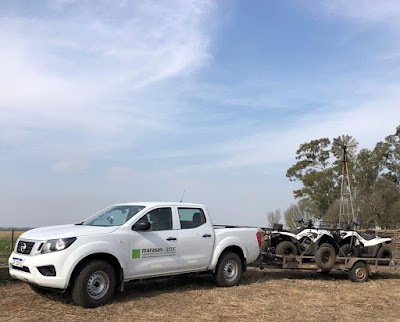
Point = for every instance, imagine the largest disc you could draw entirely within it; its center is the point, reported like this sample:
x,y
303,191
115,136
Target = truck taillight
x,y
259,238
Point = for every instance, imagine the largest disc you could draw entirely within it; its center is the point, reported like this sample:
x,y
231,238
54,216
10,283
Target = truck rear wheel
x,y
94,284
229,270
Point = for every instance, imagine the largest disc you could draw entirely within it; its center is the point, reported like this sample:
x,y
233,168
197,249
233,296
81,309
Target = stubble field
x,y
264,295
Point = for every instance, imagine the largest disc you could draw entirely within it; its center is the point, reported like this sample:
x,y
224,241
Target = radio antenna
x,y
182,195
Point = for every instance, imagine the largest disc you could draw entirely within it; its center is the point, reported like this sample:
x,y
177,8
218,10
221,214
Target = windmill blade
x,y
344,147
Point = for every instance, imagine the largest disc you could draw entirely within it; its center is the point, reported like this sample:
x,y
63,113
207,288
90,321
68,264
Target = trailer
x,y
359,269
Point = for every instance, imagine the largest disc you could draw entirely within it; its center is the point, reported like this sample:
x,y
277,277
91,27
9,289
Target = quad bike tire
x,y
327,245
325,258
384,252
348,250
286,248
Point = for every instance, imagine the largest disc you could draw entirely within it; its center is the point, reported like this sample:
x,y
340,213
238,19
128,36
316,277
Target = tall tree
x,y
393,155
317,174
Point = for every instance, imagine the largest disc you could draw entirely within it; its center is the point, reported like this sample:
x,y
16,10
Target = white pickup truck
x,y
127,242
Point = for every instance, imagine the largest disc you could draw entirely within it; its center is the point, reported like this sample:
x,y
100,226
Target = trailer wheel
x,y
348,251
94,284
359,273
286,248
229,270
325,258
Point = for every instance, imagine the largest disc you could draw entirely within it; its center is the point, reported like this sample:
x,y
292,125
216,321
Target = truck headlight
x,y
55,245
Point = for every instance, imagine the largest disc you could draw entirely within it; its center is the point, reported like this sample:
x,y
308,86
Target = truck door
x,y
155,251
196,239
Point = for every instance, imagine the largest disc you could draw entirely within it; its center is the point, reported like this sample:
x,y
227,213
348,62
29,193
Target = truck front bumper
x,y
43,270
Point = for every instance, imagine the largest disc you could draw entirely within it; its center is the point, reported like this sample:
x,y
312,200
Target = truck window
x,y
160,219
113,216
191,217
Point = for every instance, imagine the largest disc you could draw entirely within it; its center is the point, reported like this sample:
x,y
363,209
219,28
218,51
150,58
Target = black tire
x,y
325,258
359,273
327,245
286,248
384,252
94,285
348,251
229,270
39,290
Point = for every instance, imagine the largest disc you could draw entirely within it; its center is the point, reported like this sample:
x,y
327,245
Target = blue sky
x,y
113,101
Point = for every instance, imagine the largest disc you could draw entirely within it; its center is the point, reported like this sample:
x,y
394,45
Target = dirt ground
x,y
263,295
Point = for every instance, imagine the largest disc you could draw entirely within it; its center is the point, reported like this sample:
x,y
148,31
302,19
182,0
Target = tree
x,y
393,156
380,207
304,210
273,217
317,174
374,179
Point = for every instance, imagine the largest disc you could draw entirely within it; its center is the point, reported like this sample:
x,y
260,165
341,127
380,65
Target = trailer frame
x,y
359,269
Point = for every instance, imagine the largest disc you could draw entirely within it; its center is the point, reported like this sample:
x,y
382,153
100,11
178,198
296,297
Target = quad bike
x,y
302,241
355,244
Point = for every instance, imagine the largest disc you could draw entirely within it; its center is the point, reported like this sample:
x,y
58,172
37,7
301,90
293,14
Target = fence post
x,y
12,241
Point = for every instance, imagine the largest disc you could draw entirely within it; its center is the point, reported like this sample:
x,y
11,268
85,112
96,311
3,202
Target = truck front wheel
x,y
229,270
94,284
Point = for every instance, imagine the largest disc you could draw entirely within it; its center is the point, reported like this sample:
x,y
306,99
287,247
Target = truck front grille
x,y
24,247
23,268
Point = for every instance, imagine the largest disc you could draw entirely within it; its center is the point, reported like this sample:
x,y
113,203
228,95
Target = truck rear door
x,y
196,239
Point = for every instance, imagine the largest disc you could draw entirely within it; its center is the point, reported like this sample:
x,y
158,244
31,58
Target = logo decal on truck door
x,y
135,253
153,252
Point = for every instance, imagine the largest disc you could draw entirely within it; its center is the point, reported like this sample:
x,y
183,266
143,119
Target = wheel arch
x,y
236,250
328,240
106,257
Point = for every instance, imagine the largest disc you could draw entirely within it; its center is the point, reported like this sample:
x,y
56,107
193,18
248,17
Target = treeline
x,y
375,184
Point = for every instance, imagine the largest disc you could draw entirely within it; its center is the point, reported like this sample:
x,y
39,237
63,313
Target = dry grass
x,y
7,233
264,295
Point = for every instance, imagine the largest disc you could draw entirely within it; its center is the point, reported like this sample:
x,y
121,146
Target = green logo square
x,y
135,253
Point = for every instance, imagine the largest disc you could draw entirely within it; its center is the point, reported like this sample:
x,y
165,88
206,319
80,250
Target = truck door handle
x,y
206,235
171,238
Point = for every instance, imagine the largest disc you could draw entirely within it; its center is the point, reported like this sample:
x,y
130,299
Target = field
x,y
5,243
263,295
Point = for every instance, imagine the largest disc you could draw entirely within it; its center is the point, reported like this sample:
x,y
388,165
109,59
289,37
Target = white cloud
x,y
68,65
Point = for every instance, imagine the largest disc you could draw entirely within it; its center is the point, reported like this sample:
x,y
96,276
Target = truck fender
x,y
98,247
224,244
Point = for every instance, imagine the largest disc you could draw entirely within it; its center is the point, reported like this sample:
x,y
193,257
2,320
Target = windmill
x,y
344,148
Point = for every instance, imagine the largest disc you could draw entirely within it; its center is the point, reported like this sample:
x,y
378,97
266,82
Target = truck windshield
x,y
113,216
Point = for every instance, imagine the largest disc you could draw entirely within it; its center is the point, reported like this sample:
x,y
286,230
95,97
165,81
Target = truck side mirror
x,y
141,225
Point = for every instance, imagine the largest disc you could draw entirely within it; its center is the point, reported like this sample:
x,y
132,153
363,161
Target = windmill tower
x,y
344,148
